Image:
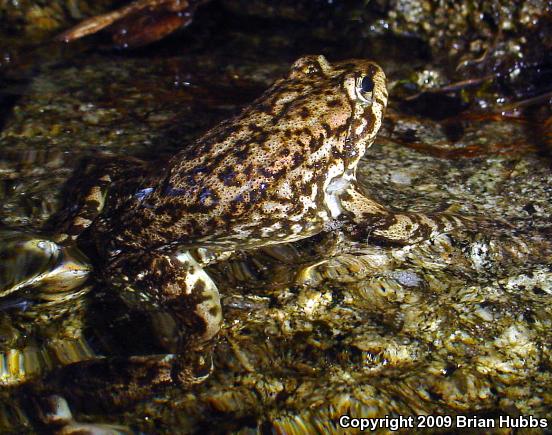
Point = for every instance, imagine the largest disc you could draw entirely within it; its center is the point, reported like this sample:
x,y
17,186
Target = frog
x,y
282,170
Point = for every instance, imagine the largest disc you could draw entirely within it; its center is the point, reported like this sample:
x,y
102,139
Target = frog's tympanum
x,y
284,169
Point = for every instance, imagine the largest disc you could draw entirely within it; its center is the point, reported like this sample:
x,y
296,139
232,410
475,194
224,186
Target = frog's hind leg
x,y
85,194
371,220
84,197
178,304
181,300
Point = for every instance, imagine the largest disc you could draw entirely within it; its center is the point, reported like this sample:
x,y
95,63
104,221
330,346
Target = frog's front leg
x,y
371,220
181,299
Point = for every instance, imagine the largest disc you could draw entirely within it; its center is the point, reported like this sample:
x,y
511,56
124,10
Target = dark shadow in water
x,y
7,102
541,136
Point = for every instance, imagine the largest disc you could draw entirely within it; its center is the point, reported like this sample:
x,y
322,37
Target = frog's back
x,y
261,175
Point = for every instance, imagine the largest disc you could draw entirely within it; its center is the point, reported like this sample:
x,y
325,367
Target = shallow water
x,y
457,325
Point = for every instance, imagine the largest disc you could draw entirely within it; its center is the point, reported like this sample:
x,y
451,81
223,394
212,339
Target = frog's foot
x,y
371,221
139,23
180,298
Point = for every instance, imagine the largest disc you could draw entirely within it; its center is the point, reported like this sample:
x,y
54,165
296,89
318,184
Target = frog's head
x,y
348,97
365,85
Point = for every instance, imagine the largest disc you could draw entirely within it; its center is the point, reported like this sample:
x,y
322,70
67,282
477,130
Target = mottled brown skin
x,y
260,178
282,170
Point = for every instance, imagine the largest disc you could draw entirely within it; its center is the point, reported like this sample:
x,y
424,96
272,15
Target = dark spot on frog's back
x,y
248,170
316,143
191,177
194,226
304,113
169,209
260,137
203,149
208,197
166,234
275,174
335,102
254,128
327,129
298,158
285,152
216,223
242,153
256,195
228,177
173,191
237,204
240,203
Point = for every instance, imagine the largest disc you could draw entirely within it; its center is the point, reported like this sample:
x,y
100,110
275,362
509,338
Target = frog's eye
x,y
365,86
